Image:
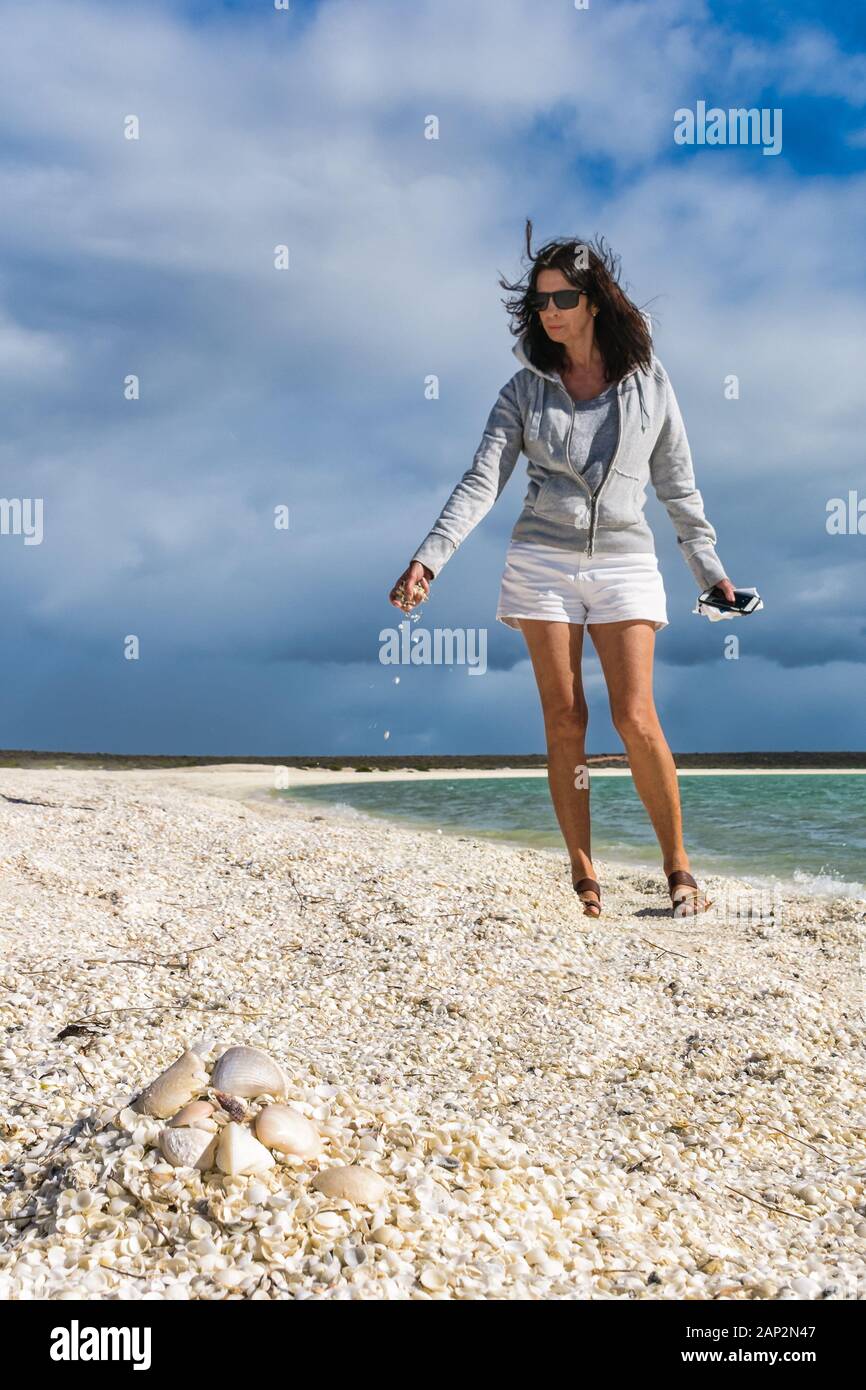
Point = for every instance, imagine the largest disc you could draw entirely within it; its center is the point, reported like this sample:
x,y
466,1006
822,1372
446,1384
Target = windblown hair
x,y
620,329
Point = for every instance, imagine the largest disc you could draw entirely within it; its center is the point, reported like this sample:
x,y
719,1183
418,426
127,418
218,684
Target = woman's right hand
x,y
412,576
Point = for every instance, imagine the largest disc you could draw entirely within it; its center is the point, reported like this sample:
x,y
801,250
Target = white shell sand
x,y
561,1107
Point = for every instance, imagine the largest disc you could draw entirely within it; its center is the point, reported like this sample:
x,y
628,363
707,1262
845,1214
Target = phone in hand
x,y
744,600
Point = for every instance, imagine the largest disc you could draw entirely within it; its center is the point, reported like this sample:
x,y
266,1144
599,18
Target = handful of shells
x,y
420,596
214,1133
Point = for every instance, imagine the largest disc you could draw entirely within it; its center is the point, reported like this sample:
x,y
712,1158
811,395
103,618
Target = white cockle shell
x,y
188,1148
248,1072
354,1184
287,1131
239,1151
175,1087
198,1114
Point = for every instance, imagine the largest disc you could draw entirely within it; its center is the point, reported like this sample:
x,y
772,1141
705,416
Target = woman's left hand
x,y
727,589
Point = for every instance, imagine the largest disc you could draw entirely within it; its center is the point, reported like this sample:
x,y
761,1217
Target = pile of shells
x,y
214,1132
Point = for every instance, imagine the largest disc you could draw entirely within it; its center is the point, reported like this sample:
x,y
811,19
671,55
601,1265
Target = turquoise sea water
x,y
807,832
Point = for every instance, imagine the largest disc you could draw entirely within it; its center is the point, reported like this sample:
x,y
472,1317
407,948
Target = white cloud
x,y
26,353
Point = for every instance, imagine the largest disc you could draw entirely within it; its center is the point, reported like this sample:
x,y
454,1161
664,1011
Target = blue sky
x,y
305,387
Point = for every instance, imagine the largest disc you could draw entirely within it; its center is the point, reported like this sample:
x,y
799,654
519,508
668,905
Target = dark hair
x,y
620,329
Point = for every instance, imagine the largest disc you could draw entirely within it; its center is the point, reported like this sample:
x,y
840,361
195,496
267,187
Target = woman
x,y
595,414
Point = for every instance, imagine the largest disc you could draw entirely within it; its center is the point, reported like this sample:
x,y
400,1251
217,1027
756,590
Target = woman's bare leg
x,y
626,652
555,651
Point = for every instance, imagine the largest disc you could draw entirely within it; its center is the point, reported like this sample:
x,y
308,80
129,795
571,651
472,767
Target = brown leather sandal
x,y
686,904
589,885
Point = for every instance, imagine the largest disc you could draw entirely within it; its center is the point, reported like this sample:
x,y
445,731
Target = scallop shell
x,y
283,1129
198,1114
188,1148
359,1185
239,1151
248,1072
173,1088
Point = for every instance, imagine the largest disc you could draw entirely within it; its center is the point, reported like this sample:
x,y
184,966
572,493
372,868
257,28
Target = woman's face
x,y
562,325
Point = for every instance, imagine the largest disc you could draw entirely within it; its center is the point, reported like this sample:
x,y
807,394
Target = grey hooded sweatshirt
x,y
533,415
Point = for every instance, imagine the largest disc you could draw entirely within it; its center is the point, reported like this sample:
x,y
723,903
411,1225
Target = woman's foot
x,y
589,893
686,897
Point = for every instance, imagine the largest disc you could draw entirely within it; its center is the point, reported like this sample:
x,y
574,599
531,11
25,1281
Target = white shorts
x,y
565,586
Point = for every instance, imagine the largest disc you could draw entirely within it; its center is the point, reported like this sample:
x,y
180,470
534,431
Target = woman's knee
x,y
566,721
635,722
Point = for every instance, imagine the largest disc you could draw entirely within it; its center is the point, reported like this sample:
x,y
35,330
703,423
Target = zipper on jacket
x,y
593,513
577,475
593,497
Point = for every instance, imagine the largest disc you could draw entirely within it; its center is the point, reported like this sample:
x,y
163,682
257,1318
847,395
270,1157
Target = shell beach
x,y
413,1069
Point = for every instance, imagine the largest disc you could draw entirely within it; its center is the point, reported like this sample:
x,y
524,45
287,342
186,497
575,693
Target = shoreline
x,y
232,778
410,774
255,785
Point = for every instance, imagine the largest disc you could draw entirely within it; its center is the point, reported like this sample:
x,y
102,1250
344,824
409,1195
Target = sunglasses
x,y
563,299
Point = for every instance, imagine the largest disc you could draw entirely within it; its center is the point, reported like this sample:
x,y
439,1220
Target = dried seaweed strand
x,y
797,1140
782,1210
666,949
175,1008
166,960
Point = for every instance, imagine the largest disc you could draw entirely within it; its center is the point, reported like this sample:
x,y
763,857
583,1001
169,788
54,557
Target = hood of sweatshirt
x,y
519,350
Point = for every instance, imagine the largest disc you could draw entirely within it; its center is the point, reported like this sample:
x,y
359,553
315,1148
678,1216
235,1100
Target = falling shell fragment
x,y
239,1151
173,1088
284,1129
248,1072
354,1184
